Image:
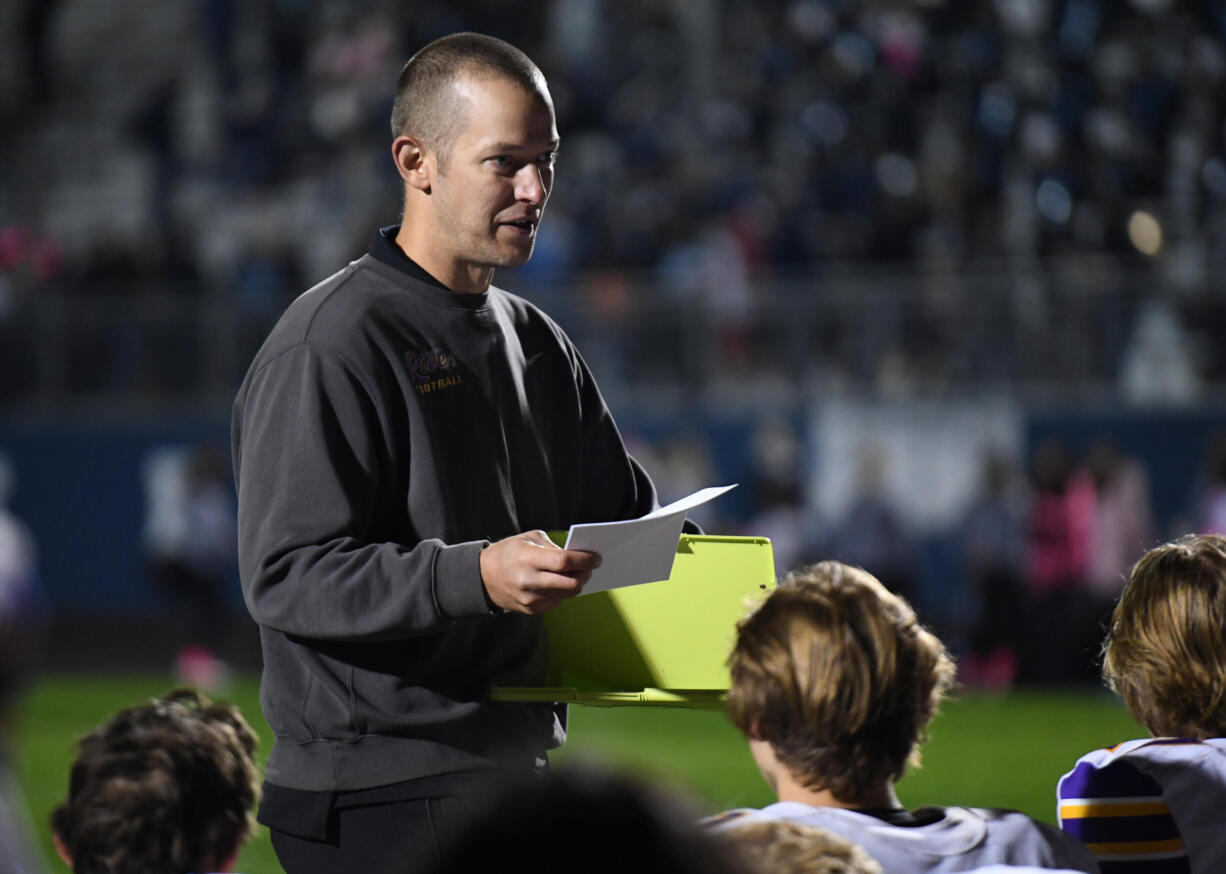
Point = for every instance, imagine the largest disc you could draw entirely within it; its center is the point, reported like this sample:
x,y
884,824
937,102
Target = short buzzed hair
x,y
836,673
1165,653
426,106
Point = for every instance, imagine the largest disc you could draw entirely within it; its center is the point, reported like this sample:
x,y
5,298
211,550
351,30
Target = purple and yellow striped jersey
x,y
1151,806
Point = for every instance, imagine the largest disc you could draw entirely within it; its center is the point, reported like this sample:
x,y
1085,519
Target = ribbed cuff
x,y
458,590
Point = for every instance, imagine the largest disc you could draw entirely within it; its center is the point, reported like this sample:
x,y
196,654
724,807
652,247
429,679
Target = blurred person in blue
x,y
834,682
873,534
21,627
401,442
993,540
1157,805
166,787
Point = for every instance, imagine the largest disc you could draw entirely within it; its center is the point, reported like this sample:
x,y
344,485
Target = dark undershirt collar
x,y
902,817
383,246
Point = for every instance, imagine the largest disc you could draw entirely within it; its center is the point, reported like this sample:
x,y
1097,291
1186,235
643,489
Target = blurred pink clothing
x,y
1061,531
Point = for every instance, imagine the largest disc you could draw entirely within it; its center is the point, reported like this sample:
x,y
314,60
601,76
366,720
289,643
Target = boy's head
x,y
162,788
1165,653
835,672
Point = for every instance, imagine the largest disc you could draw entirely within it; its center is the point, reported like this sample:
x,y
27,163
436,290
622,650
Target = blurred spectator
x,y
1123,520
167,787
596,820
1158,366
21,626
873,535
776,490
993,542
190,532
1210,503
932,134
1059,642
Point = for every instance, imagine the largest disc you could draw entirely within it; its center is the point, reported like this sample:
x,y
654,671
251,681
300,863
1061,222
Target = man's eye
x,y
547,160
501,161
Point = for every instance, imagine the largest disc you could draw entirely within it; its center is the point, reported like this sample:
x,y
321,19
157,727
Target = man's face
x,y
488,201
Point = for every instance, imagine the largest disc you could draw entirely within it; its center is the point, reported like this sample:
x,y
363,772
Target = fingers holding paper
x,y
529,573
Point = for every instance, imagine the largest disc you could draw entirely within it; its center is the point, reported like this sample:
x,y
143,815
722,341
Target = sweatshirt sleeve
x,y
309,455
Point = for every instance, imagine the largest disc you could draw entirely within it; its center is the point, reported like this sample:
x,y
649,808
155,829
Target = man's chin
x,y
517,256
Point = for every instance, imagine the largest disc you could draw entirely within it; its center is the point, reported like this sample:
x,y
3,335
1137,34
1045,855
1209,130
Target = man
x,y
834,682
401,441
1157,805
163,787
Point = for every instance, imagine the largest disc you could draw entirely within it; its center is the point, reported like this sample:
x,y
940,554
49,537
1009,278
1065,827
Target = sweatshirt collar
x,y
383,247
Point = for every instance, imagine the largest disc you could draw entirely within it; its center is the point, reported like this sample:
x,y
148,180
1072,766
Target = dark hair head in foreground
x,y
166,787
591,819
1165,653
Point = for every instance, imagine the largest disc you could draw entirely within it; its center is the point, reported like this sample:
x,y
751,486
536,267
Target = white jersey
x,y
1151,806
963,839
1020,869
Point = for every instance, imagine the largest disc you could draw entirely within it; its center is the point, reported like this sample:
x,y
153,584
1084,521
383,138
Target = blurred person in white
x,y
1157,805
20,637
834,682
190,532
1123,524
784,847
165,787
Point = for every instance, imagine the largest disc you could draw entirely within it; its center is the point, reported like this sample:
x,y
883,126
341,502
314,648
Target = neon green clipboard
x,y
656,644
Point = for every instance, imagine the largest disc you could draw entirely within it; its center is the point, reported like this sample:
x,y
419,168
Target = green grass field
x,y
997,751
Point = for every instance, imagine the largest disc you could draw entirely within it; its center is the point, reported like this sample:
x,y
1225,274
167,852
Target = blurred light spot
x,y
1213,174
1145,232
854,54
1053,201
812,20
1040,137
997,110
896,174
825,122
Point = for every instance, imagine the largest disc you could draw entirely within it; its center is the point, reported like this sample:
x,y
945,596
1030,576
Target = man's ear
x,y
413,162
755,729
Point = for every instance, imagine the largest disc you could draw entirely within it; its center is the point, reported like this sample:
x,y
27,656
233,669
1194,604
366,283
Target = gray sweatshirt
x,y
385,432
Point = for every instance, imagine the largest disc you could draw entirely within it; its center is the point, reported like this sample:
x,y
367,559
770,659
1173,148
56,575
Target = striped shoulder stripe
x,y
1117,810
1132,851
1080,808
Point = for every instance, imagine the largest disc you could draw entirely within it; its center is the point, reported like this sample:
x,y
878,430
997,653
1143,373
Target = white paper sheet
x,y
637,550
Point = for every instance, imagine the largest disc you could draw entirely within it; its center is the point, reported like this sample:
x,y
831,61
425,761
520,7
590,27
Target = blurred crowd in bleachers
x,y
724,162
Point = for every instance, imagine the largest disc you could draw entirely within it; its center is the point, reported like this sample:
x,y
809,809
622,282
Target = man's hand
x,y
529,573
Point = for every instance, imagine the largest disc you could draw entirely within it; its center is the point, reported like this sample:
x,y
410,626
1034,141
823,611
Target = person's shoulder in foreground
x,y
168,787
1158,805
834,682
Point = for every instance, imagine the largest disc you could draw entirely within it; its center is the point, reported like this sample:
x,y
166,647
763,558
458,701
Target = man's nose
x,y
530,184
